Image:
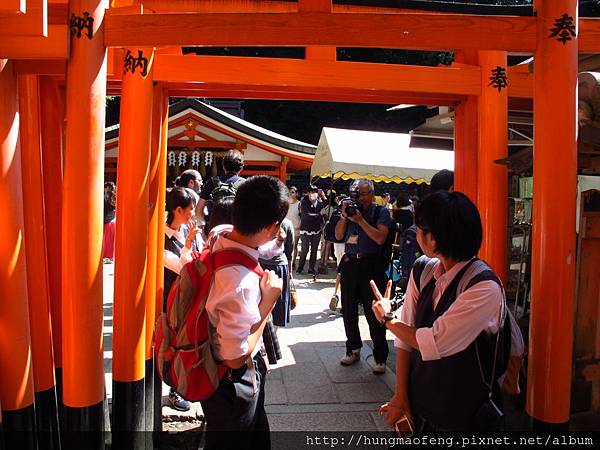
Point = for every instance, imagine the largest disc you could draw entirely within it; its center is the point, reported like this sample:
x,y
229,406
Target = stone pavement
x,y
308,390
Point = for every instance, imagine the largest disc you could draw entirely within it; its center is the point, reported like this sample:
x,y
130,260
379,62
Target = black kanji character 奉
x,y
131,62
78,24
498,79
564,29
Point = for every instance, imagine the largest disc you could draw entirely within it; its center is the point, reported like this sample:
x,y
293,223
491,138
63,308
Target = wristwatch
x,y
386,318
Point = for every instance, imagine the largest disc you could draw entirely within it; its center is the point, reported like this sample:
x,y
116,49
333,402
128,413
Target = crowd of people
x,y
452,324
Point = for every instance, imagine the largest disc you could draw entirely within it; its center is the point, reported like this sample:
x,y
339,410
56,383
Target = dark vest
x,y
172,245
447,392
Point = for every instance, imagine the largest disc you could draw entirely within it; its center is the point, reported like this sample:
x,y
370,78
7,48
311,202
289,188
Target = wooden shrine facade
x,y
200,134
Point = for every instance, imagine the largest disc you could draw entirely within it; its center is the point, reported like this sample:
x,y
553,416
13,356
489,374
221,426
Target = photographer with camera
x,y
364,227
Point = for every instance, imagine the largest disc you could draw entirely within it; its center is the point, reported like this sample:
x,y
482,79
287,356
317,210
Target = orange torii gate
x,y
144,65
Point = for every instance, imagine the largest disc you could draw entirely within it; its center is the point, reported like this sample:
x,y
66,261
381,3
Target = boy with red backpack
x,y
224,368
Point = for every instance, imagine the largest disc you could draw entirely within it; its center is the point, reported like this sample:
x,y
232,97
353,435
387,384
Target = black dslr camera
x,y
353,207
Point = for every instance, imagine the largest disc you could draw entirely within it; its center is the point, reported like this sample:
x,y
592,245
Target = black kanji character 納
x,y
78,24
131,62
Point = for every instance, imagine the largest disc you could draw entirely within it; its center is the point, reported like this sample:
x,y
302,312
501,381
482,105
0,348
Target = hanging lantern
x,y
196,158
202,168
182,158
208,159
171,158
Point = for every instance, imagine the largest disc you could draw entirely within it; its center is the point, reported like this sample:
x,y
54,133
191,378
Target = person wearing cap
x,y
311,221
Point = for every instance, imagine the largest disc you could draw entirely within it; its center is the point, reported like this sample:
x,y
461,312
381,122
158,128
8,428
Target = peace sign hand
x,y
382,304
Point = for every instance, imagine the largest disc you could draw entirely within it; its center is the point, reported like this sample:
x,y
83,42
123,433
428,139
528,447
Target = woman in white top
x,y
293,215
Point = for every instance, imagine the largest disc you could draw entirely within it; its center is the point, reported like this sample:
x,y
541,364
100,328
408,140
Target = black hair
x,y
294,188
233,161
312,188
110,185
331,197
259,202
386,194
442,181
415,200
454,222
221,213
184,179
178,197
402,200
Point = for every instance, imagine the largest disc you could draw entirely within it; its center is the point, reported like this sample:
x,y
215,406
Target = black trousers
x,y
235,414
355,286
306,241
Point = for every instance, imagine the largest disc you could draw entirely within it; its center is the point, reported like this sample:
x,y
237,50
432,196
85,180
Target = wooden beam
x,y
320,73
200,144
114,67
55,46
34,22
54,67
222,6
314,5
254,6
316,94
589,35
407,31
321,53
58,13
13,7
520,84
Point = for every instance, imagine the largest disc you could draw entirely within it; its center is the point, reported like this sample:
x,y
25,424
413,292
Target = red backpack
x,y
182,348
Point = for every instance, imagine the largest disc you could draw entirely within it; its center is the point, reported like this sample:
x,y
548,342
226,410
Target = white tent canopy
x,y
388,157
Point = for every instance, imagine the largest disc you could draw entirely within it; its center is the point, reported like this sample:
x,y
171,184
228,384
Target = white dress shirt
x,y
294,215
474,310
232,303
172,261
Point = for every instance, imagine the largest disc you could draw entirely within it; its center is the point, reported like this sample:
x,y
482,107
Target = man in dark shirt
x,y
233,163
365,234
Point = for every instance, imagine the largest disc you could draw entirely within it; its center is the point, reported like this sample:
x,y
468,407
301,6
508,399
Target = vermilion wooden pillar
x,y
82,226
492,178
553,255
129,335
466,137
160,238
155,222
283,169
37,268
52,121
16,385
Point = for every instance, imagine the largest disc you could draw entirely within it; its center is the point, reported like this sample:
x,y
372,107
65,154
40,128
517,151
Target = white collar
x,y
441,275
170,232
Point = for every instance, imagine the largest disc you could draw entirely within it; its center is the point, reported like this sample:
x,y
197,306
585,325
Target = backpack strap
x,y
372,220
231,257
237,183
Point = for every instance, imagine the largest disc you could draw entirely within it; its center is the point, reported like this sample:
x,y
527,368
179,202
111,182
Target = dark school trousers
x,y
235,413
306,241
356,275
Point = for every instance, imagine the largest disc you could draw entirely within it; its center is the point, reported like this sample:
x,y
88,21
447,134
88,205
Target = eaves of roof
x,y
242,125
233,122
